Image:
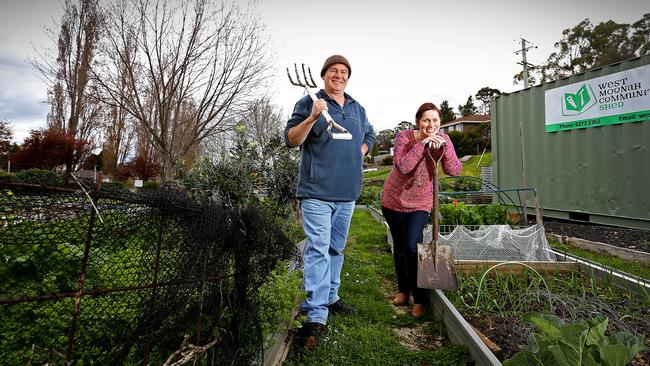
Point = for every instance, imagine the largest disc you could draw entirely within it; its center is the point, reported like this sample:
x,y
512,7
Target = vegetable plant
x,y
579,343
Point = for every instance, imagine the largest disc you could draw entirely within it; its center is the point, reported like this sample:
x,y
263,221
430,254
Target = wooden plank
x,y
598,247
459,331
488,342
466,266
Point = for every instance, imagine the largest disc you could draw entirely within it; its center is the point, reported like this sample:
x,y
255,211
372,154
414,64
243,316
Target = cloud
x,y
22,96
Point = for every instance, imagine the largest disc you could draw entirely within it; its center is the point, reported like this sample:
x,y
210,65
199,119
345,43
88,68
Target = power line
x,y
523,62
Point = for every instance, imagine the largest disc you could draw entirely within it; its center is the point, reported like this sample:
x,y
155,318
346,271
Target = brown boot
x,y
401,299
418,310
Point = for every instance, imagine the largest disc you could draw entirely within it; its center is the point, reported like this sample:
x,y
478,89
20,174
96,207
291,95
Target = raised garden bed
x,y
581,290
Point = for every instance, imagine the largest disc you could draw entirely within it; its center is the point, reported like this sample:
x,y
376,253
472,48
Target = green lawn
x,y
472,167
370,338
636,268
380,174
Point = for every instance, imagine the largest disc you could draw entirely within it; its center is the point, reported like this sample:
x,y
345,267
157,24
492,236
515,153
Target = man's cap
x,y
335,59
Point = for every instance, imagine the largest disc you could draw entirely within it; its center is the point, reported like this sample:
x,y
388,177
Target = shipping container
x,y
582,142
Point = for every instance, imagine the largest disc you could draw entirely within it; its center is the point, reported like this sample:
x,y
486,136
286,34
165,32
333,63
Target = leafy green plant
x,y
280,296
462,214
580,343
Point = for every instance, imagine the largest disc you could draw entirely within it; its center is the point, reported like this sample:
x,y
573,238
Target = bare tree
x,y
195,53
73,109
119,135
264,122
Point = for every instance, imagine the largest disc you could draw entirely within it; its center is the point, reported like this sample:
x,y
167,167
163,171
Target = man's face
x,y
336,78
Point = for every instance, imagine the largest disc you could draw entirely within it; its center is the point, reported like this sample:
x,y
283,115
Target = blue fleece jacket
x,y
331,170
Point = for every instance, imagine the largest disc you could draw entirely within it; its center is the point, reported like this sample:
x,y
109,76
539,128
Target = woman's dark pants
x,y
406,229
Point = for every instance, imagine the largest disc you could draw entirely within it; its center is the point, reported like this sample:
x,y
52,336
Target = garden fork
x,y
309,83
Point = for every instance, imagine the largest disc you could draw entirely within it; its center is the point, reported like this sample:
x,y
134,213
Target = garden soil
x,y
510,332
617,236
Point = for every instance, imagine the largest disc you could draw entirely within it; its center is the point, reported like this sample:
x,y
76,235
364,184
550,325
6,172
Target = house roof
x,y
472,118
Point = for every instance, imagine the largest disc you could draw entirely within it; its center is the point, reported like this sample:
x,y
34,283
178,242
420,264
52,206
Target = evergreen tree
x,y
484,96
468,108
585,47
446,112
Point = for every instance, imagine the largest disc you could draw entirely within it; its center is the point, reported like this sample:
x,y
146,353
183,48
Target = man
x,y
329,184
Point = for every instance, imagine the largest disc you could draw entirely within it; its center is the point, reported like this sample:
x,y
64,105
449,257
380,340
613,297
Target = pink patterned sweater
x,y
409,186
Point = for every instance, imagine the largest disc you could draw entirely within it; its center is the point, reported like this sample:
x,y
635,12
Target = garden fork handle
x,y
326,114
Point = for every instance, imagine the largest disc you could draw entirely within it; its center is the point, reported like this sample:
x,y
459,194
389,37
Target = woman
x,y
407,199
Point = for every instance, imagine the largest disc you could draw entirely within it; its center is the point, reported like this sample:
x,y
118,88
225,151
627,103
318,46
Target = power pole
x,y
523,62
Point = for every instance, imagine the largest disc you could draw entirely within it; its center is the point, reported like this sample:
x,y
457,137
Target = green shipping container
x,y
583,142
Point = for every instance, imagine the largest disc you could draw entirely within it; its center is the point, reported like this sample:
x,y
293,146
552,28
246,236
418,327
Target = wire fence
x,y
107,276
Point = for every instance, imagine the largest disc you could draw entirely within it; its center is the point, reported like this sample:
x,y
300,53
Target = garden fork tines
x,y
309,83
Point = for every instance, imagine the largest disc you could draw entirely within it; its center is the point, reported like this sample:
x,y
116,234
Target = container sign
x,y
616,98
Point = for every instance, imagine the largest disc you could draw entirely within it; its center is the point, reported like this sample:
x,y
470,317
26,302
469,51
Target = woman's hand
x,y
434,141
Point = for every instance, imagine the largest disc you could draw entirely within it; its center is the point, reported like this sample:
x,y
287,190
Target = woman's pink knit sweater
x,y
409,186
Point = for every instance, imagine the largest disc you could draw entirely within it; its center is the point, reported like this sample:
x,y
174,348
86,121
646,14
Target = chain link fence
x,y
106,276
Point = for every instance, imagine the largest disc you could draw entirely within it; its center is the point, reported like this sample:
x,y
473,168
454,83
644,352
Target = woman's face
x,y
429,123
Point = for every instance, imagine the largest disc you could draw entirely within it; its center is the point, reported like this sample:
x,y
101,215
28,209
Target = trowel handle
x,y
326,114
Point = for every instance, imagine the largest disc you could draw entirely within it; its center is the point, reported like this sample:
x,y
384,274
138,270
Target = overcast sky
x,y
402,53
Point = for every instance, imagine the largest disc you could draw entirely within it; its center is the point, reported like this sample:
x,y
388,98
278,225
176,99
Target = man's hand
x,y
364,149
318,107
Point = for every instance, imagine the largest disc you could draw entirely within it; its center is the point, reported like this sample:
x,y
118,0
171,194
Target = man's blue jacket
x,y
331,170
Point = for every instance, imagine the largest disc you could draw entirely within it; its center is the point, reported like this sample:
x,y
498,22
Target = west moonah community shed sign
x,y
615,98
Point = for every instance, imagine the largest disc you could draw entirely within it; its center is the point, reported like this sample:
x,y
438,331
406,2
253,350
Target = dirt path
x,y
415,336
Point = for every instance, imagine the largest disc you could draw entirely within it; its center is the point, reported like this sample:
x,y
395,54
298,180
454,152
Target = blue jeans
x,y
326,226
406,229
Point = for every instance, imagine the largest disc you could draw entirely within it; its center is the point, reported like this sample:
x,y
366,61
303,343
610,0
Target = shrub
x,y
150,184
459,185
4,174
39,176
387,160
115,185
370,196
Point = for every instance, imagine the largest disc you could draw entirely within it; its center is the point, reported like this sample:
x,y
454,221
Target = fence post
x,y
199,316
82,271
147,344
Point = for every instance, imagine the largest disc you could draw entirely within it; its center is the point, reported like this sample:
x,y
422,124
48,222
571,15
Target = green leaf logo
x,y
579,102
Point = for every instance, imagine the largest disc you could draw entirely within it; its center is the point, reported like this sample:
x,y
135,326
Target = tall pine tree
x,y
468,108
446,112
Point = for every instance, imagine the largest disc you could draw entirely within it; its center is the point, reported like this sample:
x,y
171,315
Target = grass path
x,y
381,334
641,269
